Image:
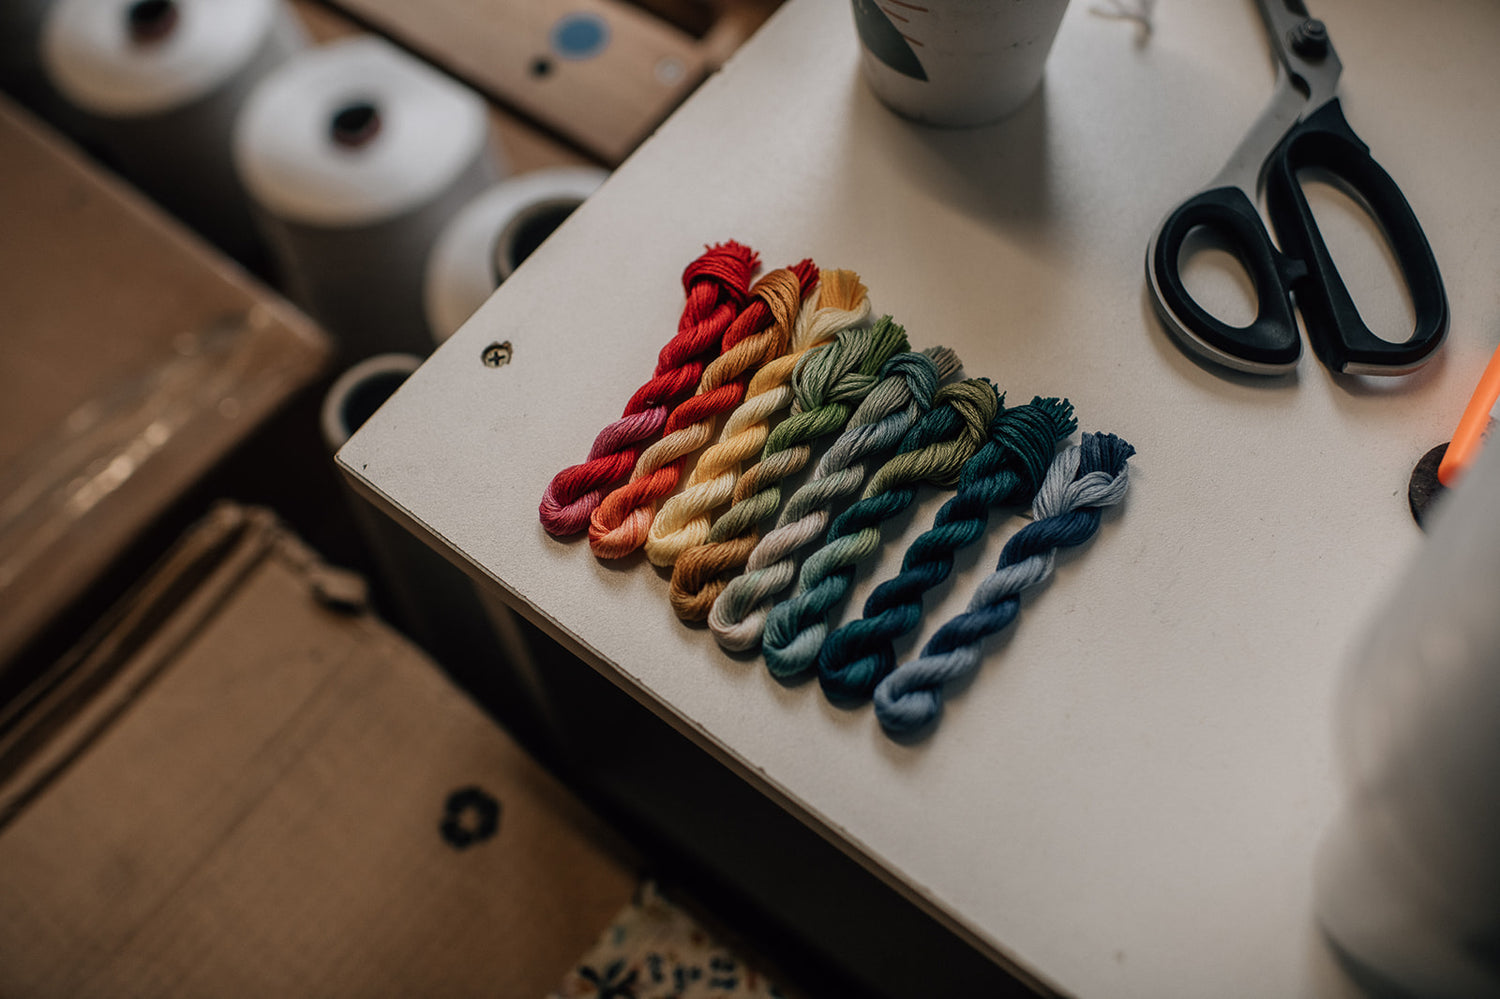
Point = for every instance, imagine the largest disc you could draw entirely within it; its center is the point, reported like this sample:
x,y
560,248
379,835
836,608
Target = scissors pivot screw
x,y
1309,39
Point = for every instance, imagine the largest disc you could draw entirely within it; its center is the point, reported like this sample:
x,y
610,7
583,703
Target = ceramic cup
x,y
956,62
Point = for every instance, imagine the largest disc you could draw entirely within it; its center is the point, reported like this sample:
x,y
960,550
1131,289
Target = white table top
x,y
1128,798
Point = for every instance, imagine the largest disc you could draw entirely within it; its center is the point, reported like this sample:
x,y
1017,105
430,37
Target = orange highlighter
x,y
1474,427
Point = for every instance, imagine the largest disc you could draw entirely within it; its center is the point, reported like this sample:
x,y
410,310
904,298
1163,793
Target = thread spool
x,y
355,155
150,21
359,392
156,85
487,240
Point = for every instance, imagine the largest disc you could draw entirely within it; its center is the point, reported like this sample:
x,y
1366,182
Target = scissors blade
x,y
1307,75
1245,164
1303,48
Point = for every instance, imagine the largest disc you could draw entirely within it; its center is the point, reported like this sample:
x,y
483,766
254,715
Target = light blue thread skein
x,y
1009,469
1081,481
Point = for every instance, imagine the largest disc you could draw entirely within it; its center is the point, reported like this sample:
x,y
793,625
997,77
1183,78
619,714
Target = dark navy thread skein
x,y
1007,470
1080,482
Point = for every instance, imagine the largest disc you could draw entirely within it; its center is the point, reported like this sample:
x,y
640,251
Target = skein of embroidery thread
x,y
1081,482
484,243
716,284
622,521
839,302
828,383
1008,469
933,452
355,156
906,389
156,86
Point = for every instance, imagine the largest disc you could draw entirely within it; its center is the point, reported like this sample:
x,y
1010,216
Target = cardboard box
x,y
135,357
246,784
606,92
601,73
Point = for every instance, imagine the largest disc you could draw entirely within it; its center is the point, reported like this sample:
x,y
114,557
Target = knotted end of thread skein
x,y
842,302
1026,440
717,288
729,263
913,379
936,447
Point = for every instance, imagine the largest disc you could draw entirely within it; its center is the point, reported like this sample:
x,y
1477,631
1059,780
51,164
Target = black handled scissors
x,y
1303,126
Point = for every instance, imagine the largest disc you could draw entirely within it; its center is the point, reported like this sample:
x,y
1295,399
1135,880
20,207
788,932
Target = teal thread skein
x,y
933,451
1081,481
1008,470
908,383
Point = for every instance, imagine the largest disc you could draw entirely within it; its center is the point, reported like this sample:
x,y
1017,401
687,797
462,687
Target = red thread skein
x,y
717,286
620,523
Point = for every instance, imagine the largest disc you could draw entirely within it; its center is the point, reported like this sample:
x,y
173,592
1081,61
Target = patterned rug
x,y
654,950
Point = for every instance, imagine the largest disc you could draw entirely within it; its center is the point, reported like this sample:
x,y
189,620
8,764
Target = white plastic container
x,y
1408,879
956,62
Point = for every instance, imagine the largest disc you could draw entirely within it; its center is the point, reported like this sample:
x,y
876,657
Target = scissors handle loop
x,y
1270,344
1335,328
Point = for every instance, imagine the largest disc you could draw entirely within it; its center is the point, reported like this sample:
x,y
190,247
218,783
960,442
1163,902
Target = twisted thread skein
x,y
828,384
717,286
1008,470
1081,481
906,389
933,451
619,525
683,521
